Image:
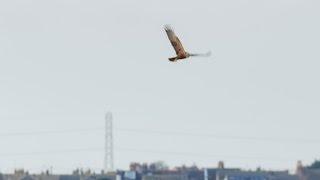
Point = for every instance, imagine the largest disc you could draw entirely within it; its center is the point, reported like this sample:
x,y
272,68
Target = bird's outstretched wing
x,y
175,42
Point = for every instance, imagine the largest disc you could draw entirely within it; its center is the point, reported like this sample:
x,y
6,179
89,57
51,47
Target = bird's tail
x,y
201,55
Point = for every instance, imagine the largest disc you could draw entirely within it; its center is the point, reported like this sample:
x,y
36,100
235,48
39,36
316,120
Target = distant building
x,y
306,173
219,173
285,177
165,177
69,177
246,176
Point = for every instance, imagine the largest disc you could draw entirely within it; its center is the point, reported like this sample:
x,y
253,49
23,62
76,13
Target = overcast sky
x,y
65,63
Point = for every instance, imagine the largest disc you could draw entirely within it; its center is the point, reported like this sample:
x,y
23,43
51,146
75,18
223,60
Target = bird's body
x,y
177,45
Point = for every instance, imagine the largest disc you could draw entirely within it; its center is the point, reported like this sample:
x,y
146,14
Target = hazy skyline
x,y
64,64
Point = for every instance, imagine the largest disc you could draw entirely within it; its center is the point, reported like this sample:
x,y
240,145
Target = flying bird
x,y
180,52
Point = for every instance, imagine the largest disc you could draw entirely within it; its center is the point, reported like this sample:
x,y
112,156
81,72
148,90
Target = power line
x,y
52,152
201,155
211,135
125,149
30,133
168,133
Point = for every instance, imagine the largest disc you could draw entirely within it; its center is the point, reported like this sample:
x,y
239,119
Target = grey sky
x,y
63,64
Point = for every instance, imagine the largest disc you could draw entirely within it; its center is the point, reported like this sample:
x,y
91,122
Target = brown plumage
x,y
176,43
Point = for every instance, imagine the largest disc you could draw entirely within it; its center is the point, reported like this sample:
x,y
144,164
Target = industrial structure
x,y
108,161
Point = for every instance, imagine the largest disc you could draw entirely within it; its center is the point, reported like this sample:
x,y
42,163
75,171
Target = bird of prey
x,y
175,42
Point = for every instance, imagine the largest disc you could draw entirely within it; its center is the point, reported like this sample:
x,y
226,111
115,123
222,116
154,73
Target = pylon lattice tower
x,y
108,161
